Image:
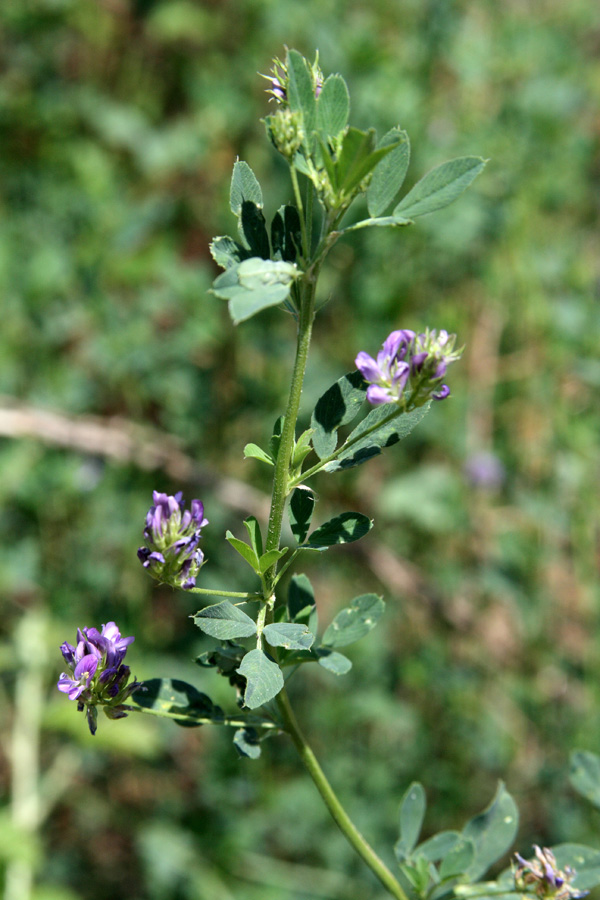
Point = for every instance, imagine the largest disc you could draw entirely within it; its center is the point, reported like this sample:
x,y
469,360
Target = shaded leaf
x,y
584,775
247,743
357,158
300,512
253,529
226,252
263,678
170,695
440,186
244,188
337,406
333,107
492,832
286,236
254,230
301,602
389,172
385,436
289,635
275,439
225,621
342,529
333,661
355,621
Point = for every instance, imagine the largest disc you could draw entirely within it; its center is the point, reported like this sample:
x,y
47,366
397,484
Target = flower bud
x,y
173,534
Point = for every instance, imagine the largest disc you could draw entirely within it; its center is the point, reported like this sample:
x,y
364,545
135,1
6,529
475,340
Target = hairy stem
x,y
339,814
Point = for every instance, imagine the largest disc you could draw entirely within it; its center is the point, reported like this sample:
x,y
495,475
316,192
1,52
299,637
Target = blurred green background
x,y
119,124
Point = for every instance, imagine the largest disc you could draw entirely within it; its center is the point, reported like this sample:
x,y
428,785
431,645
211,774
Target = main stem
x,y
340,816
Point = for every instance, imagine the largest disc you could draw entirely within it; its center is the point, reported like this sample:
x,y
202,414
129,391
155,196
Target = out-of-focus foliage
x,y
119,124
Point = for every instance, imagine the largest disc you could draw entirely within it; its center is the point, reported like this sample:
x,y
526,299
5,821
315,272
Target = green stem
x,y
340,816
244,594
231,721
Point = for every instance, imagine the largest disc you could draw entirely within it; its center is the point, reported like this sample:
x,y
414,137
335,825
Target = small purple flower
x,y
97,676
542,876
173,534
409,368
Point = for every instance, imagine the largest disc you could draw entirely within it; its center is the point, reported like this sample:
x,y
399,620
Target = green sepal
x,y
492,832
301,604
263,678
253,529
355,621
339,405
342,529
389,173
286,235
584,775
440,187
333,661
245,551
225,621
289,635
247,743
300,510
244,188
171,696
372,444
253,451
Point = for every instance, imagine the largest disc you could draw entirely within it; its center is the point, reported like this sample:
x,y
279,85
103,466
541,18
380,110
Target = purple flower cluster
x,y
279,80
542,876
409,368
173,534
97,675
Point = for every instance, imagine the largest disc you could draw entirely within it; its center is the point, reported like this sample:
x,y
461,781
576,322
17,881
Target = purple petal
x,y
68,652
378,395
367,366
443,392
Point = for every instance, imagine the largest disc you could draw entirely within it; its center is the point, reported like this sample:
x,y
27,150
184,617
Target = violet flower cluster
x,y
543,877
173,534
279,80
97,675
410,368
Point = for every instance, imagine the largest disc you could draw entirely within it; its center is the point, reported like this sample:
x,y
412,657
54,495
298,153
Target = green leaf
x,y
356,159
584,775
333,107
381,222
585,861
247,743
286,235
225,621
300,512
254,285
440,186
385,436
389,172
270,558
253,529
457,860
289,635
254,230
226,252
301,603
302,447
244,188
355,621
343,529
412,813
301,95
492,832
244,550
333,661
263,678
439,845
253,451
338,406
169,695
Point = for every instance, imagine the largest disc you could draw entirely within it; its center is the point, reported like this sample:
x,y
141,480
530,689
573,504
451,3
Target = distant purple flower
x,y
409,368
543,877
173,534
484,470
97,675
